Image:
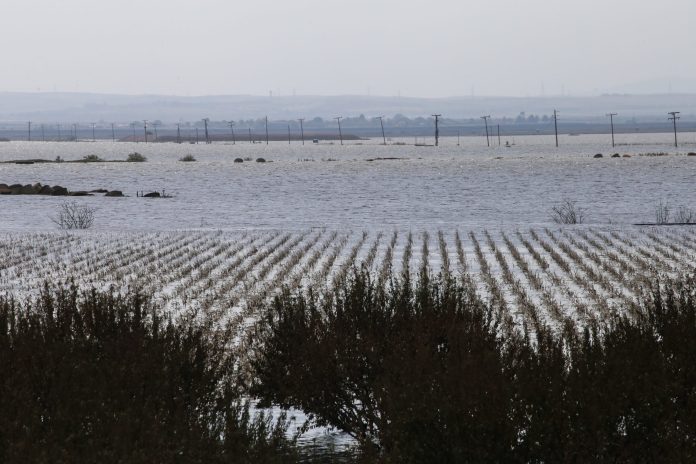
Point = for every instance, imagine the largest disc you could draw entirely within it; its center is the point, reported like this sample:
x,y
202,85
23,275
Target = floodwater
x,y
299,187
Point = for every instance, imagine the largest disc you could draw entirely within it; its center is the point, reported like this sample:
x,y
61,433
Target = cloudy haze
x,y
422,48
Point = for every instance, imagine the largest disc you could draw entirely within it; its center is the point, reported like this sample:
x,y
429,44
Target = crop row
x,y
537,276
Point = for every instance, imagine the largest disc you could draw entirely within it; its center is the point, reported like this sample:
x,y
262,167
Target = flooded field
x,y
355,185
233,234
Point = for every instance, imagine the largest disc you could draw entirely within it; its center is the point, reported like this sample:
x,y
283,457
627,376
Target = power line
x,y
340,134
381,123
485,120
611,120
437,128
302,129
231,124
207,137
673,117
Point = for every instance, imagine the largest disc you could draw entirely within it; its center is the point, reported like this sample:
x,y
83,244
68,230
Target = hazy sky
x,y
382,47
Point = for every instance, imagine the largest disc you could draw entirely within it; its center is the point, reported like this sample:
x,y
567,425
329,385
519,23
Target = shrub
x,y
187,158
136,158
92,159
685,215
567,212
432,374
100,377
72,215
662,213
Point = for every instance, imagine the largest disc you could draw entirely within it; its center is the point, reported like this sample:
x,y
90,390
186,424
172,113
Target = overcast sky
x,y
428,48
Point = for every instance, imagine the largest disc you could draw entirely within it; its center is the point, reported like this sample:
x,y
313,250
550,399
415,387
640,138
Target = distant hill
x,y
84,108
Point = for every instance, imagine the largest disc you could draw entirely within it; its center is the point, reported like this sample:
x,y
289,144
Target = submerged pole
x,y
611,121
302,129
673,117
437,128
381,123
340,134
485,120
266,130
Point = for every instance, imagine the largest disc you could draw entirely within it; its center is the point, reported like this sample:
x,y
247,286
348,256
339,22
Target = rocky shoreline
x,y
56,190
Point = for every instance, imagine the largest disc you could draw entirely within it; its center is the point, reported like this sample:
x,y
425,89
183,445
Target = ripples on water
x,y
336,186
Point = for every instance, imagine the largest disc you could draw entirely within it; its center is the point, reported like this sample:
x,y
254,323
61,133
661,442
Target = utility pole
x,y
485,120
43,135
75,128
59,134
207,137
133,127
154,125
250,139
381,123
196,136
178,133
340,134
266,130
302,129
437,128
498,134
29,132
113,133
555,125
145,128
231,124
611,119
93,138
288,134
673,117
458,134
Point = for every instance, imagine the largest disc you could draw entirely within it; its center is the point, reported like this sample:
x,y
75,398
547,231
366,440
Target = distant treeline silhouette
x,y
361,126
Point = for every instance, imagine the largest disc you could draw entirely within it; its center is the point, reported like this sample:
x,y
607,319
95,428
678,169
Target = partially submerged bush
x,y
187,158
136,158
429,375
683,214
102,377
92,159
567,212
72,215
662,213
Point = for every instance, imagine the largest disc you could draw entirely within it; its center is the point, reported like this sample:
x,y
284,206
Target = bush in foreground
x,y
98,377
429,375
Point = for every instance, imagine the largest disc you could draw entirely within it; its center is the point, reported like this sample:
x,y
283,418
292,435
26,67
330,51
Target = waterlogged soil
x,y
357,185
